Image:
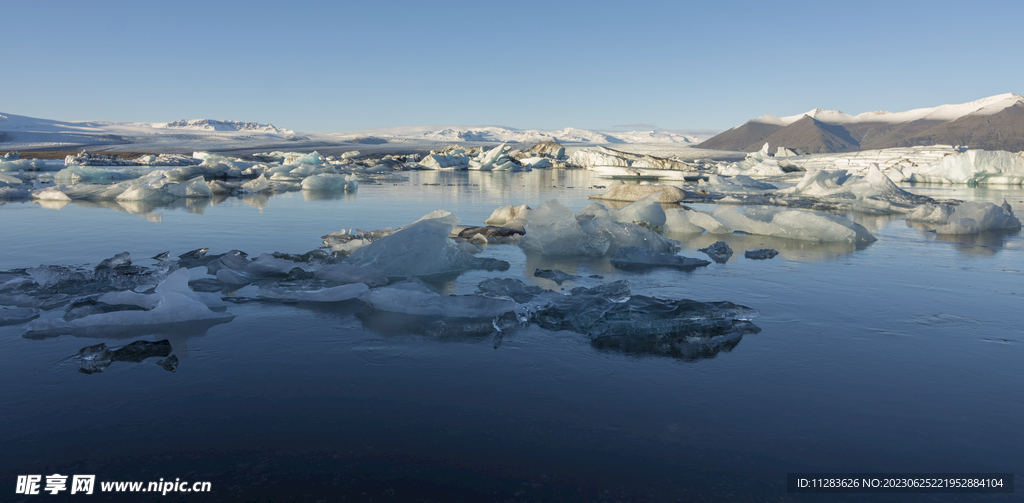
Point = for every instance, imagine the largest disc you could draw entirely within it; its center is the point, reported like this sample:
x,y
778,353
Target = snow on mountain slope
x,y
509,135
984,106
27,133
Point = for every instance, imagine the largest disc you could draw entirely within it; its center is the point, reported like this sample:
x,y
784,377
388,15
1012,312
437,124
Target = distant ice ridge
x,y
223,125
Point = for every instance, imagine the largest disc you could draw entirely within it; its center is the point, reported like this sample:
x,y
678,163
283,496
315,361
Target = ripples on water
x,y
900,356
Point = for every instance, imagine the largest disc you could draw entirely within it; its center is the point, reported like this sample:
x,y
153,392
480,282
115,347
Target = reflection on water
x,y
790,249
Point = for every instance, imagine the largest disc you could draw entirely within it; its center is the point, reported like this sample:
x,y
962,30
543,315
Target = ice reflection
x,y
790,249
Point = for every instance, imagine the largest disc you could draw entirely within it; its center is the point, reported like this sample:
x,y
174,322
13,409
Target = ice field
x,y
582,347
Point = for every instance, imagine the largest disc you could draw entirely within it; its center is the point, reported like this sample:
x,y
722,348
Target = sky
x,y
345,65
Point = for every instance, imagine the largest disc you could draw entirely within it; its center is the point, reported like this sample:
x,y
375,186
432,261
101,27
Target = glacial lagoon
x,y
902,355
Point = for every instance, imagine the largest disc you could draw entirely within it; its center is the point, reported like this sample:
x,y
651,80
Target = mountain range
x,y
993,123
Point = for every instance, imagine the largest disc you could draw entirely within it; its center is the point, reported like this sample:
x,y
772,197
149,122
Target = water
x,y
901,356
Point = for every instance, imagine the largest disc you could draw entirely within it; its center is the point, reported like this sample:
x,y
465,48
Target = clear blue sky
x,y
326,66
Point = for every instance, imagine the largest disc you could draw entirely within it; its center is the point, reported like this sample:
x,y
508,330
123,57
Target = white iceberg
x,y
973,167
972,218
330,182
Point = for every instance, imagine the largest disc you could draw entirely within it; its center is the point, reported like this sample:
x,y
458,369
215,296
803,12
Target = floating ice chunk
x,y
195,187
9,180
959,226
973,167
412,297
266,266
90,174
32,165
760,254
931,213
536,162
752,166
788,223
260,184
641,258
972,218
347,273
333,294
555,275
552,229
310,158
144,193
453,160
331,182
51,194
419,249
719,251
17,315
622,234
504,214
647,209
629,192
684,221
735,184
873,192
173,302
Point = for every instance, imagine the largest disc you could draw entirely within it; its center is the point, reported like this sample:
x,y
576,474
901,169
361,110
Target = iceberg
x,y
420,249
552,229
506,214
973,217
973,167
872,193
684,221
737,183
331,182
630,192
804,225
646,209
195,187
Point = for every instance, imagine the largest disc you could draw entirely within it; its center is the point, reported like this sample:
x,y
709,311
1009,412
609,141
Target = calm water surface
x,y
901,356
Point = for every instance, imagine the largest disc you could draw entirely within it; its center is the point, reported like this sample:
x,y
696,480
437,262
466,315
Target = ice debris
x,y
719,251
633,258
760,254
555,275
172,302
97,358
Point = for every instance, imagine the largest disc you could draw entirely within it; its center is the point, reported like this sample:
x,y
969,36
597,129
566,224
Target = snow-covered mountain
x,y
19,132
945,113
993,123
499,134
